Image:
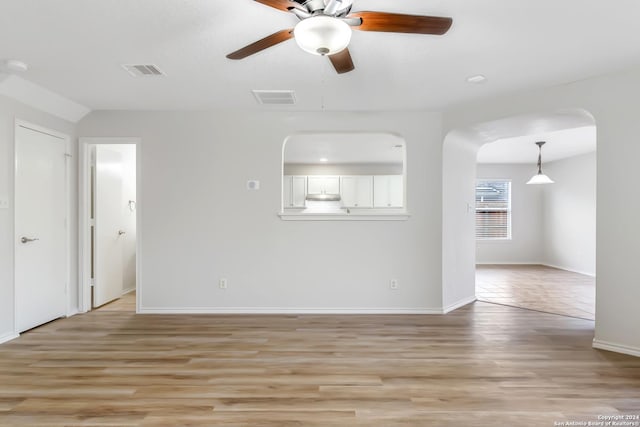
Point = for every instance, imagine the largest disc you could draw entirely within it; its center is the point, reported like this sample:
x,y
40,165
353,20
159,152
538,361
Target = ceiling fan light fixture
x,y
322,35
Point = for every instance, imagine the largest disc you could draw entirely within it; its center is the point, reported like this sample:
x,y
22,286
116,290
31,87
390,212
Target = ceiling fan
x,y
325,28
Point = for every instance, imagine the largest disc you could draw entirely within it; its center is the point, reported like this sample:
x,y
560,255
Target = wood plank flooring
x,y
482,365
537,287
125,303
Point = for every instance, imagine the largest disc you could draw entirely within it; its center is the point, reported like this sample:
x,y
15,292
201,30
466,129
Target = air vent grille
x,y
274,97
143,70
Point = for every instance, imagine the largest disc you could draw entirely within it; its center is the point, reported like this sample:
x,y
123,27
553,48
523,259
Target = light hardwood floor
x,y
537,287
126,303
482,365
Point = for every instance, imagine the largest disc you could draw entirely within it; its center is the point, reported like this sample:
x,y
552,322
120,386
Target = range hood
x,y
323,197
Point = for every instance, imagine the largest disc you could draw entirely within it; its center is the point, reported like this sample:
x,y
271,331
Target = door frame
x,y
84,199
18,123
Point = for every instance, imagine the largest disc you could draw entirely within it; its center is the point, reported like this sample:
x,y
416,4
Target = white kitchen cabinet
x,y
388,191
356,191
323,185
294,190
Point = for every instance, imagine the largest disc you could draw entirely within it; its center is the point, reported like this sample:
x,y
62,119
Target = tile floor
x,y
537,287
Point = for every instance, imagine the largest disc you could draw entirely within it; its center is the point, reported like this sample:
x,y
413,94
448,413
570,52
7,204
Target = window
x,y
493,209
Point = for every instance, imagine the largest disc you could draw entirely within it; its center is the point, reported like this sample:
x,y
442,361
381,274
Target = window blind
x,y
493,209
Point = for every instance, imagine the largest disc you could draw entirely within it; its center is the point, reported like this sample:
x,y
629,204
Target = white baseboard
x,y
458,304
569,269
128,291
618,348
509,263
286,310
8,337
538,263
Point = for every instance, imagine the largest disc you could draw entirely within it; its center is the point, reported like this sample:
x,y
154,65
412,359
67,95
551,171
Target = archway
x,y
460,151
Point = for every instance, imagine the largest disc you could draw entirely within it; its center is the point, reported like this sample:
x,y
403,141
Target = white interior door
x,y
108,243
40,228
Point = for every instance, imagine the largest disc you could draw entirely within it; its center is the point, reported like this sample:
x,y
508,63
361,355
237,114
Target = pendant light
x,y
540,178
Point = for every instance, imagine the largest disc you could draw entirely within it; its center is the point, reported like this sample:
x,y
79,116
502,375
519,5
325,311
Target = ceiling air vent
x,y
142,70
274,97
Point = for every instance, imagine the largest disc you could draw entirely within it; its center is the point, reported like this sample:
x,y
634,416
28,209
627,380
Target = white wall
x,y
9,111
569,212
344,169
612,100
525,246
200,223
458,220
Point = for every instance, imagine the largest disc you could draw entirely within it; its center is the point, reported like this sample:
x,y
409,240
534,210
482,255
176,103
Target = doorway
x,y
536,244
41,233
109,218
460,167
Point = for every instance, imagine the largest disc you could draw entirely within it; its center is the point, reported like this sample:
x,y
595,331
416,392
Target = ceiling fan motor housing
x,y
326,7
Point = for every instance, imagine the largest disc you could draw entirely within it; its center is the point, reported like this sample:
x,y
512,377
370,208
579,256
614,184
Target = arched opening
x,y
460,167
343,176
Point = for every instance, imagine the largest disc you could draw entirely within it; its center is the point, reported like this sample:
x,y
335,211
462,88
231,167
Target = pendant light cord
x,y
322,76
540,144
540,160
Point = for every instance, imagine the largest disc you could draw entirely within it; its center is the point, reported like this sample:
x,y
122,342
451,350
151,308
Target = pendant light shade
x,y
322,35
540,178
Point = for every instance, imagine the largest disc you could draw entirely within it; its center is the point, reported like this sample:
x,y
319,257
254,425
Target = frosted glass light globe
x,y
322,35
540,178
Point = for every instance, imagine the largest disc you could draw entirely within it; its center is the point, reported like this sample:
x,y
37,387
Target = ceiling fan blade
x,y
342,61
262,44
284,5
398,23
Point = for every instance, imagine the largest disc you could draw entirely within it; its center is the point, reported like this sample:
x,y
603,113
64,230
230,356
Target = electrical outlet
x,y
223,283
4,202
393,284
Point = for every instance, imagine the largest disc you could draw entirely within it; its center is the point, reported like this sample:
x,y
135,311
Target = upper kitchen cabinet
x,y
323,184
357,191
294,191
388,191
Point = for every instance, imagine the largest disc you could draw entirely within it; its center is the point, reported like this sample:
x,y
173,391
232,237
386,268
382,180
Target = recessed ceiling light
x,y
14,65
324,159
478,78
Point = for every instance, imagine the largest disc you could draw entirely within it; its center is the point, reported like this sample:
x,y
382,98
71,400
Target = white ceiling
x,y
558,145
75,48
344,148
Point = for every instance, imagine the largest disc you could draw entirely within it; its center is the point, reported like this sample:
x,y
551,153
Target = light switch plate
x,y
4,202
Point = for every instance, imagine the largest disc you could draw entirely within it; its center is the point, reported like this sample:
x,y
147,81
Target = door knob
x,y
27,240
120,232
